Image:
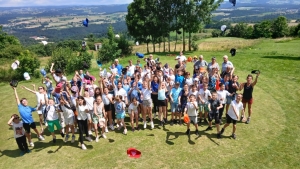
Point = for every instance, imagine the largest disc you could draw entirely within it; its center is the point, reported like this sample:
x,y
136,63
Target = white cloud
x,y
17,3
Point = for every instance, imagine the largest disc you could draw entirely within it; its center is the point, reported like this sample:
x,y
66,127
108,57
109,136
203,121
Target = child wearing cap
x,y
19,133
191,110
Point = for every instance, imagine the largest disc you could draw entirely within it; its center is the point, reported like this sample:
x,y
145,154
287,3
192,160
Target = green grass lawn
x,y
272,139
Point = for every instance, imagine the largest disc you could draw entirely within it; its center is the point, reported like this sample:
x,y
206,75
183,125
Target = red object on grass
x,y
133,153
186,118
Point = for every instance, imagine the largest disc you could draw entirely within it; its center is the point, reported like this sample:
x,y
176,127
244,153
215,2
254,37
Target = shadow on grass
x,y
282,57
10,153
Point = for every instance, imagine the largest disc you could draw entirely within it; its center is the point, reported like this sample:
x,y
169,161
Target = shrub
x,y
28,63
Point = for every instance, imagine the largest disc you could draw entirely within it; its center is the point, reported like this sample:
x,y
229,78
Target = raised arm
x,y
32,91
255,81
10,120
51,68
16,96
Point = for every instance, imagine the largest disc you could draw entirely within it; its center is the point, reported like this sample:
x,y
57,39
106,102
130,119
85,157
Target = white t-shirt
x,y
18,129
131,69
224,65
146,94
204,95
114,70
172,77
121,92
40,97
89,102
52,114
67,113
58,78
181,58
191,109
166,71
189,81
222,95
195,93
133,107
238,108
105,99
81,112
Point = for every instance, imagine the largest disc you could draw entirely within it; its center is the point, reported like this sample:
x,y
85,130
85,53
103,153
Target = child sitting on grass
x,y
19,133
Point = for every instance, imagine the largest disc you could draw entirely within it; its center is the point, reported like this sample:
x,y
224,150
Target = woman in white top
x,y
82,110
89,103
99,116
107,99
147,102
162,111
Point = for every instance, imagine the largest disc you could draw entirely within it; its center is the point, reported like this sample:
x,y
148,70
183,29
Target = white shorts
x,y
42,109
69,121
132,111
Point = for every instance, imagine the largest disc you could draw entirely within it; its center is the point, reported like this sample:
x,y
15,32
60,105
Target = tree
x,y
262,29
28,63
124,45
241,30
109,50
279,27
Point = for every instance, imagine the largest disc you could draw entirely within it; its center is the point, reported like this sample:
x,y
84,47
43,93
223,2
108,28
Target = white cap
x,y
26,76
15,65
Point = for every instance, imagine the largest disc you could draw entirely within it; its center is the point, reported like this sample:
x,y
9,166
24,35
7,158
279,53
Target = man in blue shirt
x,y
26,115
118,66
174,102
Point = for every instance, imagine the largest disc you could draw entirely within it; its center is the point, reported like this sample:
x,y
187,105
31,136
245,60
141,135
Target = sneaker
x,y
222,131
106,130
103,136
67,138
89,139
112,127
31,144
117,126
62,135
97,139
28,151
46,124
90,132
208,128
22,153
41,138
248,120
241,119
73,139
233,136
197,133
152,125
145,125
83,147
125,131
188,132
54,140
219,136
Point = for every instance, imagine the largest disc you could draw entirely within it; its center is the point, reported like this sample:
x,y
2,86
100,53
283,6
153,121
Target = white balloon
x,y
26,76
15,65
223,27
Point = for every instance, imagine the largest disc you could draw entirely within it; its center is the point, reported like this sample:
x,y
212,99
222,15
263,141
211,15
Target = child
x,y
133,112
191,109
51,116
98,115
222,94
174,102
203,96
82,110
19,133
214,105
68,114
179,78
48,84
147,103
233,114
162,89
120,111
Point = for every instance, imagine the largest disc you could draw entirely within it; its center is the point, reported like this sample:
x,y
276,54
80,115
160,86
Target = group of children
x,y
141,92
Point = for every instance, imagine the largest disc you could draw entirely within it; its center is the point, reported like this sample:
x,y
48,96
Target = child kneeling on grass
x,y
51,116
233,114
19,133
191,109
120,110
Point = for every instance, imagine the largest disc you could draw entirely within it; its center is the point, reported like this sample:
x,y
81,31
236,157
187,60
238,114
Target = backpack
x,y
45,113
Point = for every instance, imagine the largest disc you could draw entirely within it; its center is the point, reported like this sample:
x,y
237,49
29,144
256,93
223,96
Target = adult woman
x,y
247,94
212,64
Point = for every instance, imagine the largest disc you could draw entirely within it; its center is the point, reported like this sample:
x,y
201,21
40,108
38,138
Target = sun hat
x,y
15,65
133,153
43,72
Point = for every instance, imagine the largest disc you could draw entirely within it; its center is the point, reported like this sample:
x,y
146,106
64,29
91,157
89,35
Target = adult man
x,y
26,115
131,68
181,57
226,63
118,66
200,64
150,61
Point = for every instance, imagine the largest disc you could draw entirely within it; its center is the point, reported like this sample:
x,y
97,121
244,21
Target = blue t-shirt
x,y
135,94
154,86
175,93
126,88
26,113
119,107
179,79
119,67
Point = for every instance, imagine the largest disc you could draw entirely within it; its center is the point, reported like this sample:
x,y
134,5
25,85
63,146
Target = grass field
x,y
272,139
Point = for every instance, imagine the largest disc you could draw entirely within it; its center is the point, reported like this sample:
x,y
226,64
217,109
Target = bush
x,y
195,46
76,63
124,45
216,33
28,63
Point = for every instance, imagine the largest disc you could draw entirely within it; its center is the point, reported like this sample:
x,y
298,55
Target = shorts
x,y
229,99
42,110
95,119
193,119
161,103
130,111
230,120
68,121
174,107
147,103
53,123
214,116
120,116
107,107
89,115
203,107
249,101
27,126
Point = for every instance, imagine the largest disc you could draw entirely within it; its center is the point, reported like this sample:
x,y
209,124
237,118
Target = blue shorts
x,y
120,116
174,107
229,99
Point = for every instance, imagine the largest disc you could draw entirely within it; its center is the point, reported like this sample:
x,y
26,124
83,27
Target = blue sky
x,y
15,3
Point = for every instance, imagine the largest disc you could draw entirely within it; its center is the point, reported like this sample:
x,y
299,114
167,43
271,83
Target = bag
x,y
186,118
45,113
